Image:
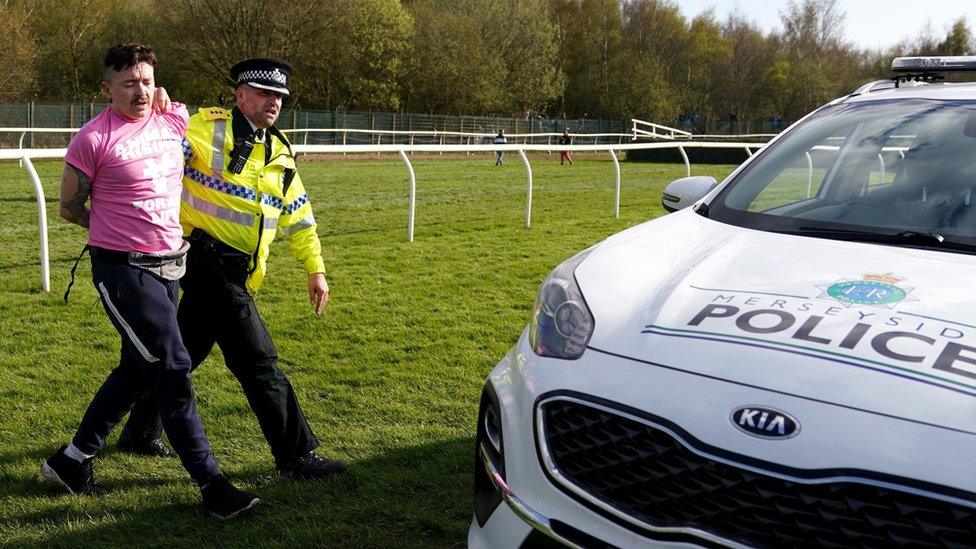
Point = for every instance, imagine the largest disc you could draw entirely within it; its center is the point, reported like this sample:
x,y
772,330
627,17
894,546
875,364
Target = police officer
x,y
240,189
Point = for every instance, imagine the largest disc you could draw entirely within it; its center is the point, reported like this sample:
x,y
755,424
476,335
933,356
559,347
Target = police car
x,y
790,362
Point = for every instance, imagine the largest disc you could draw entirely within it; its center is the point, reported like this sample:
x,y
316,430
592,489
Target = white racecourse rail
x,y
461,137
26,155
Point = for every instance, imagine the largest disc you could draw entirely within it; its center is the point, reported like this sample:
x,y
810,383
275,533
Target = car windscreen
x,y
873,169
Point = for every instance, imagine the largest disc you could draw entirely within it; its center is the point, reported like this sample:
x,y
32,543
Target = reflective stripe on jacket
x,y
246,210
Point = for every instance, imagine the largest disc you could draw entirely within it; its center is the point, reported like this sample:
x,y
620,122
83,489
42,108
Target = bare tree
x,y
73,35
589,34
451,69
17,54
361,61
958,39
206,37
743,92
812,28
523,37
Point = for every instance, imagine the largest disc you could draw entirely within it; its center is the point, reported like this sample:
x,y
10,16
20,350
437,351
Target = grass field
x,y
389,376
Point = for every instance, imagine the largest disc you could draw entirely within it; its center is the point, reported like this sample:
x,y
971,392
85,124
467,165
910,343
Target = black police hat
x,y
263,73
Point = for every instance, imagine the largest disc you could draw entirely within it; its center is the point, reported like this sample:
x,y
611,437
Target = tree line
x,y
556,58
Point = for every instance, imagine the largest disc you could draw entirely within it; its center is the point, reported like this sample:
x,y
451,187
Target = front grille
x,y
647,474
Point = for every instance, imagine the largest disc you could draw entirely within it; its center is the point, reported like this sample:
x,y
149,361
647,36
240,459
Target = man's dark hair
x,y
123,56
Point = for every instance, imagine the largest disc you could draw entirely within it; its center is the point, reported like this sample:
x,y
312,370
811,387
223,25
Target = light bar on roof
x,y
956,63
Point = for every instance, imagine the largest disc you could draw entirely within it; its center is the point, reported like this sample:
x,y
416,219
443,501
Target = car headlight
x,y
561,322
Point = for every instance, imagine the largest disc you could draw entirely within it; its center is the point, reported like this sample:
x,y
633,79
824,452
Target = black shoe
x,y
75,477
314,466
223,501
143,447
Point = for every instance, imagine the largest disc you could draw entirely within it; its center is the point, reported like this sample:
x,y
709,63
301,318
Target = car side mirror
x,y
684,192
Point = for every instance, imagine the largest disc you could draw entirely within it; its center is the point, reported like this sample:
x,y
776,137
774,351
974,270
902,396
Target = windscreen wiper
x,y
899,237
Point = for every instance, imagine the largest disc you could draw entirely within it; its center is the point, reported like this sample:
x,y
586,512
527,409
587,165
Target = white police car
x,y
790,363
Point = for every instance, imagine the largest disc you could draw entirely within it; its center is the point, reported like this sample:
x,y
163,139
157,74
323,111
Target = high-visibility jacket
x,y
246,210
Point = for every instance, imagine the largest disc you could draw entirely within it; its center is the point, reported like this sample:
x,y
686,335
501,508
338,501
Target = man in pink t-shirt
x,y
135,166
128,161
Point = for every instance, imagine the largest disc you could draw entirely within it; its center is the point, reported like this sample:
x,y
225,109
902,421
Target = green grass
x,y
389,376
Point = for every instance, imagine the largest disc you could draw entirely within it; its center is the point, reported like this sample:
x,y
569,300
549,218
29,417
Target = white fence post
x,y
528,196
616,188
20,145
41,222
684,155
413,194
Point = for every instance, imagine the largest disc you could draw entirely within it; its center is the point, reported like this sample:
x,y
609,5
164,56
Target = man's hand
x,y
161,101
318,291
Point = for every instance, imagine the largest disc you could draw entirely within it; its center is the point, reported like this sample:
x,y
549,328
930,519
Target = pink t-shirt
x,y
136,169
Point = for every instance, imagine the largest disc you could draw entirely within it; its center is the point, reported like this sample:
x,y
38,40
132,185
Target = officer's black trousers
x,y
217,308
153,365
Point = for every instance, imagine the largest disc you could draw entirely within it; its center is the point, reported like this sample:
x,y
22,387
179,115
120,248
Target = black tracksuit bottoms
x,y
154,365
217,308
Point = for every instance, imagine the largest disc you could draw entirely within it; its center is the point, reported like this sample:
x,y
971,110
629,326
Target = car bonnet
x,y
883,328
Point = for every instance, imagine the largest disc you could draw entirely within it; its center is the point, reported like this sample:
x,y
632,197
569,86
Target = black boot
x,y
144,447
223,501
313,466
141,434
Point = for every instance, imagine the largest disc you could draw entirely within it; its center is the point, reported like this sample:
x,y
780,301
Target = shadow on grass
x,y
32,486
406,497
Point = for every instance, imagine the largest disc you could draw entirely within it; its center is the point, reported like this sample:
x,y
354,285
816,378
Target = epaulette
x,y
214,113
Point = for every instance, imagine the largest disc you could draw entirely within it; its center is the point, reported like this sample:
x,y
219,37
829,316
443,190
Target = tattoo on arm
x,y
73,206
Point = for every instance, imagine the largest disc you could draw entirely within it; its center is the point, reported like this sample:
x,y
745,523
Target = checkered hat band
x,y
272,76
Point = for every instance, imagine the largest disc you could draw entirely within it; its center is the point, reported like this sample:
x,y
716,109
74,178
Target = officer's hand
x,y
161,100
318,291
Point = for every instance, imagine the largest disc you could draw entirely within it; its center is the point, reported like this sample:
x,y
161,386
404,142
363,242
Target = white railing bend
x,y
25,156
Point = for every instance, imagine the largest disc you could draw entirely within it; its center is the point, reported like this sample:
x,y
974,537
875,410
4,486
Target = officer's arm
x,y
298,225
75,190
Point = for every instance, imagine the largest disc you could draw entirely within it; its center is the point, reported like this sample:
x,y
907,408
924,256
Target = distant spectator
x,y
565,139
500,140
777,121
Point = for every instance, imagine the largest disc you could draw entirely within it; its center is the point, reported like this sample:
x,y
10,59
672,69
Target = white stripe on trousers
x,y
146,355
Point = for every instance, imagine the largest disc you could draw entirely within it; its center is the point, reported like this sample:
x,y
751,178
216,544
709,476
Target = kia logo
x,y
763,422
